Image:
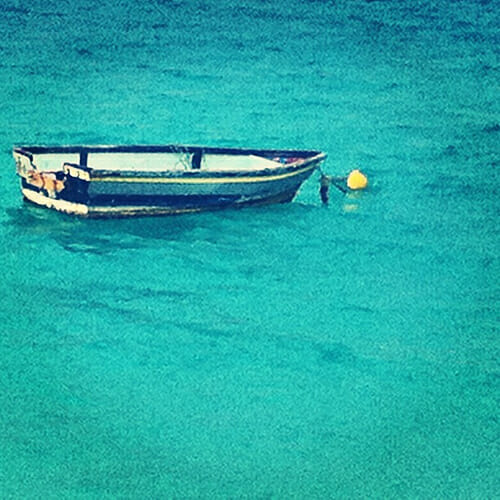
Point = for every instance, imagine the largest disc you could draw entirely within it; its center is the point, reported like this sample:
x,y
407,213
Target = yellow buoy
x,y
357,180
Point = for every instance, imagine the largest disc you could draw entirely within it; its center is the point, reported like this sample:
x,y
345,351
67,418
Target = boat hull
x,y
122,192
165,206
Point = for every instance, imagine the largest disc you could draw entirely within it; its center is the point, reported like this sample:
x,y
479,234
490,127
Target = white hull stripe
x,y
61,205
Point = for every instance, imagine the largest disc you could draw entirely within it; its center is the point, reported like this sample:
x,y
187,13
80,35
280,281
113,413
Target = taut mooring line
x,y
355,181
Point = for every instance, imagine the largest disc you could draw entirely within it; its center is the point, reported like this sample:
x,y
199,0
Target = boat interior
x,y
159,158
155,162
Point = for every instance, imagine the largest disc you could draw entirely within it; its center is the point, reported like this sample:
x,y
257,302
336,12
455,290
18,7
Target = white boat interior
x,y
155,162
54,161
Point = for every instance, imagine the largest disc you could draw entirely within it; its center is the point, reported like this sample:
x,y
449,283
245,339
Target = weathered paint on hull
x,y
68,207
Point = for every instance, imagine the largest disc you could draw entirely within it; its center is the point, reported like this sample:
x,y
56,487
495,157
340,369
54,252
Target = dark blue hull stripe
x,y
179,202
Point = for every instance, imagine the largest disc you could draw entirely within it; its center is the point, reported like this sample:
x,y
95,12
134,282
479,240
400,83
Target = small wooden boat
x,y
157,180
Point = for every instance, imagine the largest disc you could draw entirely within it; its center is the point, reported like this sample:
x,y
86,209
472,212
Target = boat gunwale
x,y
30,150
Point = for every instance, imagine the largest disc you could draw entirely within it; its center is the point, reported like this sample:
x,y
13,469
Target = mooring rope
x,y
355,181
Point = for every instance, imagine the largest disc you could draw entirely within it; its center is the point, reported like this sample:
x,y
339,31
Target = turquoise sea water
x,y
289,351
